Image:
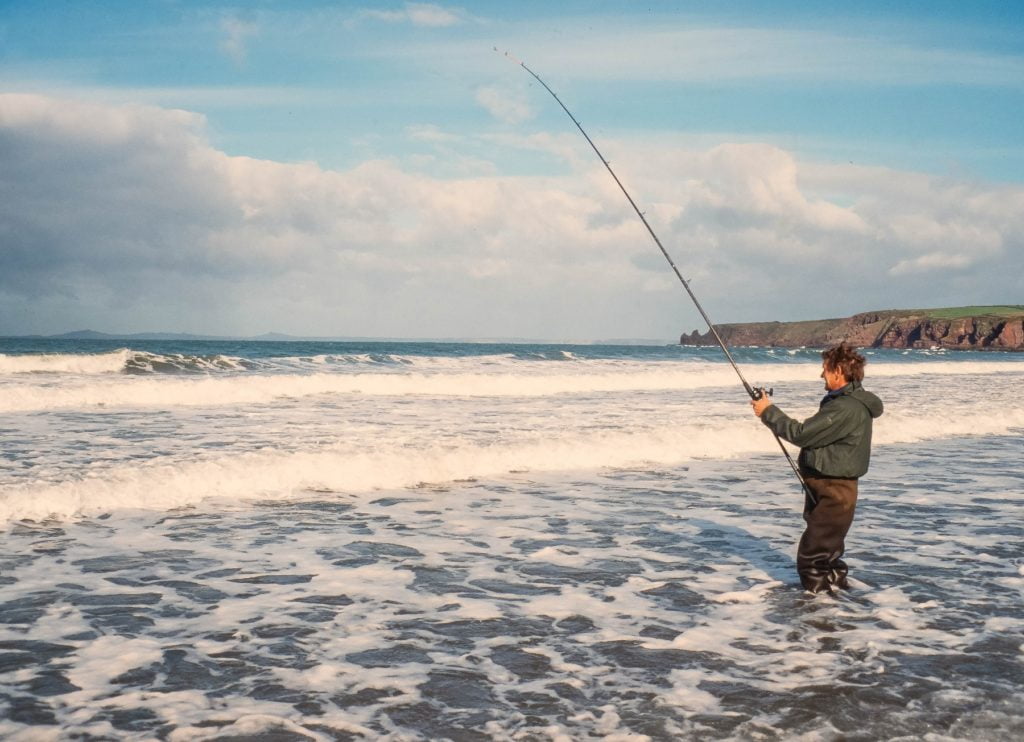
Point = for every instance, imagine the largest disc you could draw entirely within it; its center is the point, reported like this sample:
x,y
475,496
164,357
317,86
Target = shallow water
x,y
641,603
207,577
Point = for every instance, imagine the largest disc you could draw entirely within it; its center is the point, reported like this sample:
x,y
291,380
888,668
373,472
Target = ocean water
x,y
402,541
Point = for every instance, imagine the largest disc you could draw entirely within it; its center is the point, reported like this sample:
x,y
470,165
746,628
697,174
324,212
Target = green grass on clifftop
x,y
1007,310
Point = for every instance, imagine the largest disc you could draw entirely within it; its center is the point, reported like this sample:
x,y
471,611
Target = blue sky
x,y
802,159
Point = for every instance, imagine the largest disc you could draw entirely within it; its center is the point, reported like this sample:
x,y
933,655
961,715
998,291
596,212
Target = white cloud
x,y
237,33
126,218
431,133
418,14
506,106
428,14
930,262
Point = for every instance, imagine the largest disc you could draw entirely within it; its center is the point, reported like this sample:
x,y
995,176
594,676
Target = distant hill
x,y
266,337
963,328
94,335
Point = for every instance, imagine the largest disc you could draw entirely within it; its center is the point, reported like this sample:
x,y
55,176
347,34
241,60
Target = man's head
x,y
840,365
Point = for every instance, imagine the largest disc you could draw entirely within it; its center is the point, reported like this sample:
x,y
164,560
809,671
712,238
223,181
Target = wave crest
x,y
350,468
66,363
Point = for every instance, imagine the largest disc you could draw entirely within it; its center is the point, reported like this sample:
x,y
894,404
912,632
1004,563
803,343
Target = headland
x,y
960,328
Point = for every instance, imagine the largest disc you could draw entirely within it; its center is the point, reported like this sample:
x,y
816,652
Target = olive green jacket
x,y
835,442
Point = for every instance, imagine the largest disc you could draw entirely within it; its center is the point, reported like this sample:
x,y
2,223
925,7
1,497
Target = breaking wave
x,y
389,464
67,363
123,360
437,379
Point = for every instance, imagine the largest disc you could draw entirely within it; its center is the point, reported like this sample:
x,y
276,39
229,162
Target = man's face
x,y
833,377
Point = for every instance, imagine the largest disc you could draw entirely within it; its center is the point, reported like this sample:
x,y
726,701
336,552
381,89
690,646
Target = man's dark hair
x,y
844,357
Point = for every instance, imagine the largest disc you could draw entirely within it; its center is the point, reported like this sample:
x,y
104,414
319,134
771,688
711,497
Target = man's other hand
x,y
760,405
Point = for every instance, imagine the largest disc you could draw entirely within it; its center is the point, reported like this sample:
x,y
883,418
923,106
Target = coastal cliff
x,y
964,328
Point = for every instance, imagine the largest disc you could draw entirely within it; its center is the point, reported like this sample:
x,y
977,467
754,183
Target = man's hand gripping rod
x,y
754,392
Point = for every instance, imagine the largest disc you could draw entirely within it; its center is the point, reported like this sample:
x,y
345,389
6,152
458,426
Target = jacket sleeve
x,y
822,429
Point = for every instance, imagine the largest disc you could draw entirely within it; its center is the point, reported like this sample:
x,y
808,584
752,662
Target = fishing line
x,y
754,392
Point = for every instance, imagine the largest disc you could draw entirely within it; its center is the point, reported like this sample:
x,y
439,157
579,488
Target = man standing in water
x,y
835,446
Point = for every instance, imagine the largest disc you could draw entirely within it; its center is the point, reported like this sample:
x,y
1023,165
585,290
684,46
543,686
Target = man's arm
x,y
818,430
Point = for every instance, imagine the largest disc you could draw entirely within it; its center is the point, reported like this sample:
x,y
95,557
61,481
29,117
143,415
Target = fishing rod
x,y
754,392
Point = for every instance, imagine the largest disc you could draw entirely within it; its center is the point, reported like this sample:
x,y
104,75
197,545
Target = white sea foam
x,y
21,396
383,465
394,460
678,616
537,380
255,389
106,658
912,425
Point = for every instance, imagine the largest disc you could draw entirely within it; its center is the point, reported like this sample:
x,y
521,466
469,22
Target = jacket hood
x,y
866,398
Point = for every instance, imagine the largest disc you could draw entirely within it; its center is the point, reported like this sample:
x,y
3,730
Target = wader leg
x,y
828,520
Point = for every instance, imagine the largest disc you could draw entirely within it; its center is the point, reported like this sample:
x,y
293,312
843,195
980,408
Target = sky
x,y
385,169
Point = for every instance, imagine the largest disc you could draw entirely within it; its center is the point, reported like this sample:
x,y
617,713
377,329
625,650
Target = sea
x,y
240,540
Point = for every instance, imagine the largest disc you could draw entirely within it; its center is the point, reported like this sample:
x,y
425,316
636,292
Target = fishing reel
x,y
760,392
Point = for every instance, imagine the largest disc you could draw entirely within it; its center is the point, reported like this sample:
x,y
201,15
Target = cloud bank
x,y
126,218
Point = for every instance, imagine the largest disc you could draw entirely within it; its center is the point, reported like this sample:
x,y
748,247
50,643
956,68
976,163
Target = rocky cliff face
x,y
876,330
